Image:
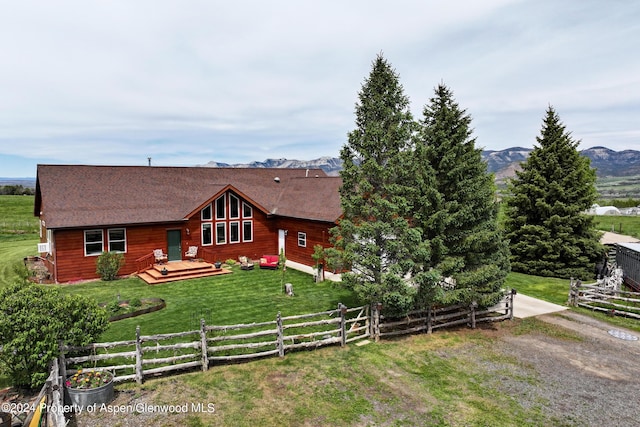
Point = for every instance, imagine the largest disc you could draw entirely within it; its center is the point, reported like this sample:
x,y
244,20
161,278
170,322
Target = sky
x,y
186,82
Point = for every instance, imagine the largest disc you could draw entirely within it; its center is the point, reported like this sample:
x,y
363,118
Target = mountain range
x,y
502,163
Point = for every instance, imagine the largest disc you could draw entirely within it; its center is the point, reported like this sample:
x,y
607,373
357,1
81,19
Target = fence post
x,y
55,415
138,356
62,363
343,326
375,315
280,339
512,295
203,345
367,321
573,293
472,313
571,298
429,320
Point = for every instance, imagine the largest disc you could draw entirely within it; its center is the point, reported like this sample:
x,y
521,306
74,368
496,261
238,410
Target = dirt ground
x,y
594,381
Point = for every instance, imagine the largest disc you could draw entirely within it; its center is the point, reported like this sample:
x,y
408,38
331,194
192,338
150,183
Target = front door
x,y
174,247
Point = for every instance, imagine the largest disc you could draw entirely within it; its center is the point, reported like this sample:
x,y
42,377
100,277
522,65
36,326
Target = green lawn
x,y
546,288
240,297
629,225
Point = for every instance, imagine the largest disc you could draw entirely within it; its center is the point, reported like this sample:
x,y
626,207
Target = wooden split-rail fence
x,y
596,297
48,406
151,355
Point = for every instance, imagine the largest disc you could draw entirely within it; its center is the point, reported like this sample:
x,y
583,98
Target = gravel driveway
x,y
594,381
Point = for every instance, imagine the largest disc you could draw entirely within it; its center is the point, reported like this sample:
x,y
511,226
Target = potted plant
x,y
87,387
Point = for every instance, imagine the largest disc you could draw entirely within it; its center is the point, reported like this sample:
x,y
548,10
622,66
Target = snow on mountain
x,y
503,163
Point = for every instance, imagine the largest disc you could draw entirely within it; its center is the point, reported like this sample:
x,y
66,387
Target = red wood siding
x,y
72,264
317,234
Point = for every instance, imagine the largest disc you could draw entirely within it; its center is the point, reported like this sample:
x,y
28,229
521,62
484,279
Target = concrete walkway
x,y
311,270
523,306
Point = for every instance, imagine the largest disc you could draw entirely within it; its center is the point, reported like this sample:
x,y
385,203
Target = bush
x,y
113,307
135,303
108,264
32,321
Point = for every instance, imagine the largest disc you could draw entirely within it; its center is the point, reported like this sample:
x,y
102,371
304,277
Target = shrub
x,y
32,321
108,264
135,303
113,307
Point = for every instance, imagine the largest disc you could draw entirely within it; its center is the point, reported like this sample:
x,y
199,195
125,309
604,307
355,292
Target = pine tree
x,y
459,220
548,231
374,233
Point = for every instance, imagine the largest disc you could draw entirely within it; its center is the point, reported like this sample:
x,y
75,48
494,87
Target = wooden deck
x,y
180,270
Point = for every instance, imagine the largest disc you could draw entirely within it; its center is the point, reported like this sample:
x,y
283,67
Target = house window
x,y
234,232
117,240
234,206
93,244
302,239
205,213
221,208
221,235
247,211
247,231
207,237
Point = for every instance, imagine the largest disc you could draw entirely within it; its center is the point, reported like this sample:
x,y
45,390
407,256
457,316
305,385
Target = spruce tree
x,y
548,231
374,232
459,218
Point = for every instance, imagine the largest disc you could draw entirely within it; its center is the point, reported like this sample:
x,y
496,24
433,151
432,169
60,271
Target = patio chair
x,y
245,263
192,253
160,256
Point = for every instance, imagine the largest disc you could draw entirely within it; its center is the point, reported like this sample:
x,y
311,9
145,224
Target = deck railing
x,y
145,262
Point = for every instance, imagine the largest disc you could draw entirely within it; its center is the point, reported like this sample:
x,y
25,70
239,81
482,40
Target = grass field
x,y
16,215
629,225
618,187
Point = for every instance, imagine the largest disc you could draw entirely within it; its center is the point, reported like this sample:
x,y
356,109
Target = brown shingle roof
x,y
315,198
85,196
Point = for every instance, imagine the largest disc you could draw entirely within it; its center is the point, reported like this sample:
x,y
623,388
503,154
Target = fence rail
x,y
443,317
149,355
603,299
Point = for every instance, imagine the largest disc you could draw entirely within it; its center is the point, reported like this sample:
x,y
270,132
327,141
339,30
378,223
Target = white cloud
x,y
193,81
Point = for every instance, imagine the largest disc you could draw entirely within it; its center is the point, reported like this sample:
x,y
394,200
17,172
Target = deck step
x,y
180,270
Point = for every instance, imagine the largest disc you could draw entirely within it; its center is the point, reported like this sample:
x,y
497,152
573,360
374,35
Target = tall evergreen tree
x,y
374,233
548,231
460,219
